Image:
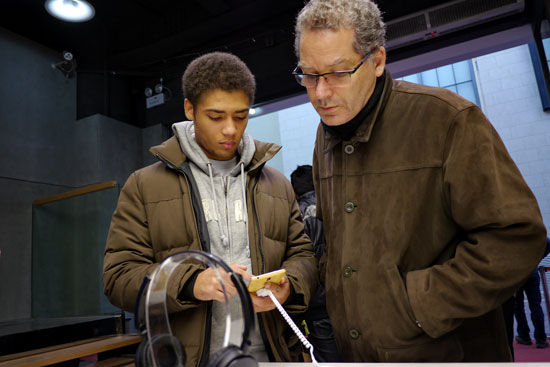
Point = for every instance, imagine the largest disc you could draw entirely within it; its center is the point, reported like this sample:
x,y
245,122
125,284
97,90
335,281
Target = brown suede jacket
x,y
430,227
155,218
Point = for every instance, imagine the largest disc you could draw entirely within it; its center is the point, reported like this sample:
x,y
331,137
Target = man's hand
x,y
281,291
207,286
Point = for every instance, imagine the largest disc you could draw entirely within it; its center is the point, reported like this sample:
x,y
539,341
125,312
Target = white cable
x,y
266,292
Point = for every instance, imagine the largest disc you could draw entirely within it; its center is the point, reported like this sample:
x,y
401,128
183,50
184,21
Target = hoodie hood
x,y
224,202
185,132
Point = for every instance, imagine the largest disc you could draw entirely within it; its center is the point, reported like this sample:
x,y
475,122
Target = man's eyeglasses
x,y
334,78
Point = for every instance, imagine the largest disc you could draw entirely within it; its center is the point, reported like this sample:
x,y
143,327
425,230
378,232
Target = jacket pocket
x,y
401,324
403,340
444,349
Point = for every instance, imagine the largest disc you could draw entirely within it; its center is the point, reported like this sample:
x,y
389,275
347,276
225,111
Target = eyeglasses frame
x,y
317,76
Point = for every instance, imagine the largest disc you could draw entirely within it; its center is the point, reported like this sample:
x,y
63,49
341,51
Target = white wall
x,y
510,99
298,127
266,128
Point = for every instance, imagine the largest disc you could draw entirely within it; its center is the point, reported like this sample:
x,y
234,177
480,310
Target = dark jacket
x,y
306,200
313,227
156,217
430,227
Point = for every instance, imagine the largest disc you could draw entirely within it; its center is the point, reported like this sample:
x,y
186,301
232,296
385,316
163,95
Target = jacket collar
x,y
363,133
170,152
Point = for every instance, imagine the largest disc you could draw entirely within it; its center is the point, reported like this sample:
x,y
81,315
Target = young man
x,y
212,191
429,224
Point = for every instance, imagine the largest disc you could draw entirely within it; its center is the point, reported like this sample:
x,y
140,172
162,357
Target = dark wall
x,y
46,150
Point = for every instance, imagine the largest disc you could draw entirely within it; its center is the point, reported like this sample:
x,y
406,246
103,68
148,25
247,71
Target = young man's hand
x,y
281,291
207,286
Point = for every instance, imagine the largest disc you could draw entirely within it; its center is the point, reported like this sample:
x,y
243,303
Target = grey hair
x,y
361,16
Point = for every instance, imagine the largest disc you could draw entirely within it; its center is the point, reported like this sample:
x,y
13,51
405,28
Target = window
x,y
458,77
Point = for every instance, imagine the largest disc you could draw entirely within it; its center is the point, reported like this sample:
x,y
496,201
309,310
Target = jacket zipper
x,y
257,179
206,345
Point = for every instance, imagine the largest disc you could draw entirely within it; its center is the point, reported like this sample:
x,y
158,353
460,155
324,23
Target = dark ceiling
x,y
131,44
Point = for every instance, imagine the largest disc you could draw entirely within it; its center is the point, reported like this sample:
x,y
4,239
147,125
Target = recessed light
x,y
70,10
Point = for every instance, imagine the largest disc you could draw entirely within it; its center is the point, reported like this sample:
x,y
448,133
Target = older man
x,y
430,226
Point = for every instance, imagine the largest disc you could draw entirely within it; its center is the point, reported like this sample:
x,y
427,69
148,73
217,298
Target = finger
x,y
237,267
261,304
243,273
231,290
219,296
280,291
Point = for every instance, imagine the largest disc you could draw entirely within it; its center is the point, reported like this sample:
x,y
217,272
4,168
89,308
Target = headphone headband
x,y
156,311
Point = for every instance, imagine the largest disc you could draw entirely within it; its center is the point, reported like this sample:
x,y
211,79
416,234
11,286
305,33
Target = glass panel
x,y
452,87
546,44
414,78
462,71
429,77
445,75
68,241
466,90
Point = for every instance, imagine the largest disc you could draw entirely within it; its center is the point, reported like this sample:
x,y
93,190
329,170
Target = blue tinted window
x,y
462,71
429,77
446,76
457,77
414,78
466,90
546,44
452,87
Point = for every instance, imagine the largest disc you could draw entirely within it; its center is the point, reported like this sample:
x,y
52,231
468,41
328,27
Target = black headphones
x,y
159,348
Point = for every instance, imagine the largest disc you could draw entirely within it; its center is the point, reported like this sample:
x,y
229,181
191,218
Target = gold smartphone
x,y
258,281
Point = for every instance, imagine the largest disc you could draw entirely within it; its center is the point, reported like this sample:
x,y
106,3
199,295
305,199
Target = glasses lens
x,y
332,79
338,79
309,80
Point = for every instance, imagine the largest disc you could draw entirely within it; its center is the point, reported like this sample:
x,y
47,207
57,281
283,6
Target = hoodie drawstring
x,y
224,238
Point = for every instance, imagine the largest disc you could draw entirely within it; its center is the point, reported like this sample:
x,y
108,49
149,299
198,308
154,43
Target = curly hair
x,y
362,16
217,70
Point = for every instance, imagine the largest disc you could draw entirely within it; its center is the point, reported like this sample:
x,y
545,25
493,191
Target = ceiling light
x,y
70,10
255,111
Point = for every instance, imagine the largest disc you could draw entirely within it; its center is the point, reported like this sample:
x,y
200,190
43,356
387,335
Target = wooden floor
x,y
74,350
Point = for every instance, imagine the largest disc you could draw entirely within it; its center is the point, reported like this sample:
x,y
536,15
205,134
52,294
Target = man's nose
x,y
229,127
322,89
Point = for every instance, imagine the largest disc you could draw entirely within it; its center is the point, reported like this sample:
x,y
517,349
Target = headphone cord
x,y
266,292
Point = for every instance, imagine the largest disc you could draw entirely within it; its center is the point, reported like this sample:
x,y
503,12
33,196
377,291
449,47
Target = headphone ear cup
x,y
140,356
231,356
168,348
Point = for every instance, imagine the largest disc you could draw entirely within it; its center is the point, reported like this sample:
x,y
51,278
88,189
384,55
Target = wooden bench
x,y
74,350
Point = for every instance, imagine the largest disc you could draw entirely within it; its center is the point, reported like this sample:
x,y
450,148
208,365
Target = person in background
x,y
531,288
508,314
211,190
429,225
316,317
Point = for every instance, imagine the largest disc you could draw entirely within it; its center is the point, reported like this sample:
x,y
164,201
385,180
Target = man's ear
x,y
189,110
379,61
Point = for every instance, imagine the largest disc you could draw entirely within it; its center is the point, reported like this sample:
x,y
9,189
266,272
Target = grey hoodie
x,y
224,203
